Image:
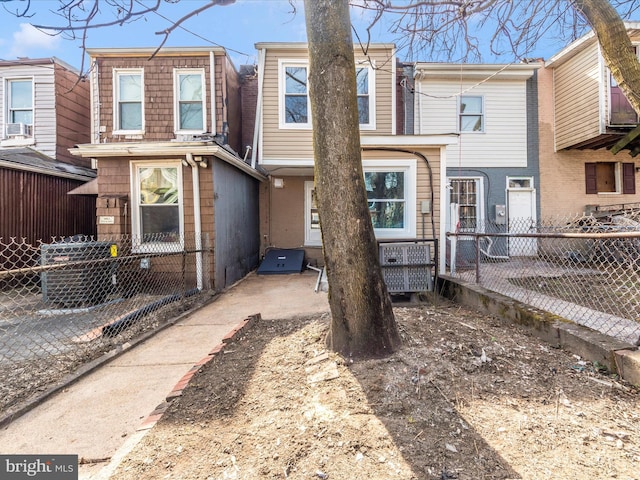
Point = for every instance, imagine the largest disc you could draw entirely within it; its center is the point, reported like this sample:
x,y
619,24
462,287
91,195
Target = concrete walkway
x,y
100,414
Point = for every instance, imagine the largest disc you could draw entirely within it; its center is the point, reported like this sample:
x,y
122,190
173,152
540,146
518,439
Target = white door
x,y
521,211
312,235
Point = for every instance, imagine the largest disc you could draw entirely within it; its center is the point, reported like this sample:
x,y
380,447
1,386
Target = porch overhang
x,y
162,150
409,141
605,140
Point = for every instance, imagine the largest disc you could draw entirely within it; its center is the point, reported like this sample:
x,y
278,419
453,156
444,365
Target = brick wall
x,y
249,94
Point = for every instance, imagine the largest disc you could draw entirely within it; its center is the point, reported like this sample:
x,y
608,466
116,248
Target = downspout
x,y
428,165
443,211
95,102
256,129
212,74
197,218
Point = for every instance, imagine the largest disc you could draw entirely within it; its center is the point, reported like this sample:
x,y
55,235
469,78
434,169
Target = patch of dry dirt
x,y
467,397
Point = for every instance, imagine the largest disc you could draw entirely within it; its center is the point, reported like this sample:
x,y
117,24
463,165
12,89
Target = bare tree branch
x,y
24,13
167,32
464,30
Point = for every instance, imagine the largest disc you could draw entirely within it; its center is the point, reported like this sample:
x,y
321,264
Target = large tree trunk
x,y
362,323
615,46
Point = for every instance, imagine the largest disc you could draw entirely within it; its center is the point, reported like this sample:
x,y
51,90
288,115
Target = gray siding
x,y
237,229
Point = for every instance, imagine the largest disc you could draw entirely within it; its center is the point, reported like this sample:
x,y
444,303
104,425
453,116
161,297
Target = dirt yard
x,y
467,397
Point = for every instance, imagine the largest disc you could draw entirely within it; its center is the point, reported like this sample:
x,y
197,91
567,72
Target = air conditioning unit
x,y
18,130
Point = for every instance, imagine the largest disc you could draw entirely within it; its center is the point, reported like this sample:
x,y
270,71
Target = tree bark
x,y
615,45
363,324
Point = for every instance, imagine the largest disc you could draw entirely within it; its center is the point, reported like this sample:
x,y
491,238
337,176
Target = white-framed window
x,y
295,107
471,113
312,234
157,205
365,84
190,100
466,192
391,196
128,100
19,101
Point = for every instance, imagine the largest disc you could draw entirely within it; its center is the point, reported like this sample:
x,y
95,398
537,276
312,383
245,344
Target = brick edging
x,y
179,387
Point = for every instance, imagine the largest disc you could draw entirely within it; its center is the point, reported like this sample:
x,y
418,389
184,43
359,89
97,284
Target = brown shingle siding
x,y
159,94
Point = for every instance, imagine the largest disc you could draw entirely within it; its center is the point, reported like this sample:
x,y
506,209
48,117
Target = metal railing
x,y
582,269
68,301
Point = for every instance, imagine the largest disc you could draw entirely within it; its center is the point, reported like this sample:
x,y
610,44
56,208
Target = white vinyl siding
x,y
504,139
577,91
44,106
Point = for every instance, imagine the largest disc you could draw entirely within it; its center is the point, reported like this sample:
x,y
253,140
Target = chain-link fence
x,y
68,301
585,269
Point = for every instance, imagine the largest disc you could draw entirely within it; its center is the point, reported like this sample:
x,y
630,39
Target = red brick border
x,y
176,391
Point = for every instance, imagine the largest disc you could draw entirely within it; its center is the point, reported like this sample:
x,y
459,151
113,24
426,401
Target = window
x,y
610,177
190,109
365,91
157,206
471,114
620,110
128,91
391,197
20,101
465,193
295,109
312,235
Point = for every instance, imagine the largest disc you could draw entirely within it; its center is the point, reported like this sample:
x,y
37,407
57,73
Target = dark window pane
x,y
160,219
296,109
191,116
130,116
363,110
471,123
387,214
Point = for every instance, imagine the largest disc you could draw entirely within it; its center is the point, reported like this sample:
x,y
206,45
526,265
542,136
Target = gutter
x,y
197,217
44,171
160,149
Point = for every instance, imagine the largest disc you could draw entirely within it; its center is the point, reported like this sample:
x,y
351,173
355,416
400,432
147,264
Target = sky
x,y
236,27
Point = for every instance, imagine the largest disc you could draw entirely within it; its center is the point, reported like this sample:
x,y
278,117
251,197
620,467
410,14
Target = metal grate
x,y
406,266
